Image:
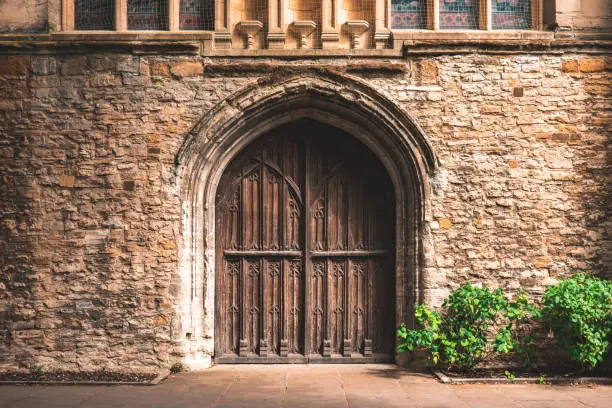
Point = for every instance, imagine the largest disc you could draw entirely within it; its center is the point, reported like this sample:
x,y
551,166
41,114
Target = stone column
x,y
121,15
433,15
67,15
485,15
276,24
330,35
537,15
382,35
174,11
223,36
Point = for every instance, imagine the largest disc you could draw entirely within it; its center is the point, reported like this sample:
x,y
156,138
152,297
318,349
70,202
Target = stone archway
x,y
344,102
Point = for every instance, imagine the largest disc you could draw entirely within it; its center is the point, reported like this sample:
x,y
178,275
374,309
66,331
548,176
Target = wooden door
x,y
305,251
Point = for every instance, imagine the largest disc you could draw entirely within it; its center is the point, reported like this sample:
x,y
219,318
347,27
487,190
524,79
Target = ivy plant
x,y
578,310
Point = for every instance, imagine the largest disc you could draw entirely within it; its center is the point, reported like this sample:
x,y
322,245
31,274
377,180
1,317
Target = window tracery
x,y
300,24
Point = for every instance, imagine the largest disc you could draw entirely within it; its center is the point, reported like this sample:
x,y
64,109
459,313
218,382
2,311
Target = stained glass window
x,y
511,14
459,14
408,13
147,14
94,14
197,15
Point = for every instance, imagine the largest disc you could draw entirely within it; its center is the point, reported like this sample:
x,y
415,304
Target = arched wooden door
x,y
305,269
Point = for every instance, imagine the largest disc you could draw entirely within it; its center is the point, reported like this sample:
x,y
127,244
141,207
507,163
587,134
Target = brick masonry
x,y
90,211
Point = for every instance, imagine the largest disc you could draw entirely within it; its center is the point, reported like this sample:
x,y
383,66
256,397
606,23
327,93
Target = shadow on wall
x,y
23,16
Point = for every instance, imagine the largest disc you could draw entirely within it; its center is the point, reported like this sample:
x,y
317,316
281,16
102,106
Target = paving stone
x,y
304,386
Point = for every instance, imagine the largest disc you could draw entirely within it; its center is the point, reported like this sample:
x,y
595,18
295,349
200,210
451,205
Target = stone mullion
x,y
325,10
485,15
536,15
174,7
223,36
333,7
381,15
433,14
276,24
67,15
273,16
222,15
121,15
330,30
381,19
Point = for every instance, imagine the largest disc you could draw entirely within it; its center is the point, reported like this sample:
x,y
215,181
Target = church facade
x,y
281,182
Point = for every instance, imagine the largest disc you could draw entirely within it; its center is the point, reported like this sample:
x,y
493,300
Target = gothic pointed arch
x,y
347,103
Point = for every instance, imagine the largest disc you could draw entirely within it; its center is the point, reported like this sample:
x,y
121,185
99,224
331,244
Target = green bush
x,y
458,336
518,335
579,312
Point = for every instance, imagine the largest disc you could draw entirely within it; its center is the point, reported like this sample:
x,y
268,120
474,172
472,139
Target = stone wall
x,y
90,206
29,16
584,14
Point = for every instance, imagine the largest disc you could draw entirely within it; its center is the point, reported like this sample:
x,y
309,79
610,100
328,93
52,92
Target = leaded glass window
x,y
94,14
408,14
459,14
511,14
197,15
147,14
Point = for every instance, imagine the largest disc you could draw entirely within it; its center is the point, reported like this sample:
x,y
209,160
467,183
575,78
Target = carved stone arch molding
x,y
347,103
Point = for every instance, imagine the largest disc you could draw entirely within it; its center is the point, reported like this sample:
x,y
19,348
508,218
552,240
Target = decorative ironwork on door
x,y
305,251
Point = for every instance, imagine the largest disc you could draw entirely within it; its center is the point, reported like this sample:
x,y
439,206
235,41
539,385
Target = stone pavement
x,y
308,386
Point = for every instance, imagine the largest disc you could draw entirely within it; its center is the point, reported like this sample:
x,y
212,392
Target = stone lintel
x,y
403,44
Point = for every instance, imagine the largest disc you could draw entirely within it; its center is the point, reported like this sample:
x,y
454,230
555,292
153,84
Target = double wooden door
x,y
305,263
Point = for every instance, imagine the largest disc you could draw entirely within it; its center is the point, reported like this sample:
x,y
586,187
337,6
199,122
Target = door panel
x,y
304,251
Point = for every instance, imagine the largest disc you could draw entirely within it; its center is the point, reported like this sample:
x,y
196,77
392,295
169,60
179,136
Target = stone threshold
x,y
443,378
163,374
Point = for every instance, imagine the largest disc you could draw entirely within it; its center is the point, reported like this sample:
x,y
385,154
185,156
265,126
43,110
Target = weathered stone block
x,y
159,69
14,65
102,62
102,80
74,66
445,223
44,65
187,69
592,64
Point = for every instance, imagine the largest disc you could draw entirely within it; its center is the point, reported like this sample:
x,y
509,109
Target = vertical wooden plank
x,y
243,347
319,272
266,300
233,291
308,329
339,305
255,274
348,306
369,314
296,304
330,308
362,272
